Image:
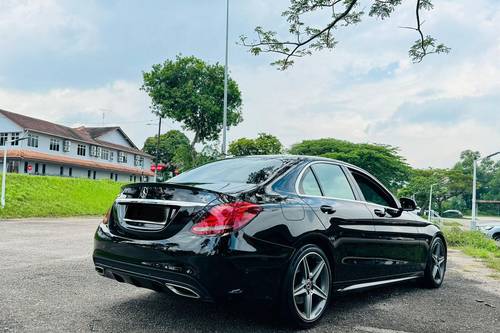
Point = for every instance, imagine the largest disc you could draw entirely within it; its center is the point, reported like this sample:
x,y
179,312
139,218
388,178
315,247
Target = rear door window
x,y
333,181
373,192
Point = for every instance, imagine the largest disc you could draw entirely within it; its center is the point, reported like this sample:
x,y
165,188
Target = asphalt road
x,y
48,284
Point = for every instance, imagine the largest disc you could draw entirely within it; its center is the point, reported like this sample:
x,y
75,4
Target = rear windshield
x,y
246,170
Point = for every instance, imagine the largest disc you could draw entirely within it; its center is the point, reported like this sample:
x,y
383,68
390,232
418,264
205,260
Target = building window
x,y
138,161
36,168
105,154
43,169
26,167
14,136
131,177
135,178
122,157
66,145
89,173
116,177
61,171
32,140
54,144
70,172
4,137
95,174
93,151
111,156
81,150
111,176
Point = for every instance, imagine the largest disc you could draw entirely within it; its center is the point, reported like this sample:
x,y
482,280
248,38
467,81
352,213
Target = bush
x,y
474,239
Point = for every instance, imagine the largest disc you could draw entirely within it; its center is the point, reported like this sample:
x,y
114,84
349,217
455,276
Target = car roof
x,y
307,158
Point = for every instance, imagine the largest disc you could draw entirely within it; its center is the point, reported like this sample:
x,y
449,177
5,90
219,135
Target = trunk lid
x,y
159,210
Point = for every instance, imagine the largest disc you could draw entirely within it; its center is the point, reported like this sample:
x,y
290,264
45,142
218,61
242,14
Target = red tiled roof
x,y
37,156
84,134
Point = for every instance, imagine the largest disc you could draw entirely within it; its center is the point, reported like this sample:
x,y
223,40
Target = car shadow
x,y
165,312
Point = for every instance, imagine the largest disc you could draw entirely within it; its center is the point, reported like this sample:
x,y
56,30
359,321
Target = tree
x,y
448,184
264,144
174,148
383,161
190,91
305,39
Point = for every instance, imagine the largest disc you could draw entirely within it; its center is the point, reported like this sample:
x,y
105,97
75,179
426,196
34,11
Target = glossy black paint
x,y
361,245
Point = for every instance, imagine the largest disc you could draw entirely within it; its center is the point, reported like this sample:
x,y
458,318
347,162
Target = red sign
x,y
160,167
30,167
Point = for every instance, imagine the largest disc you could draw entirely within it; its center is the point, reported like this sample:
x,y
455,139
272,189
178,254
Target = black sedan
x,y
291,229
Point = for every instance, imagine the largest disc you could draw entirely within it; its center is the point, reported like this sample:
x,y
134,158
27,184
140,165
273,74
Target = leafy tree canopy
x,y
190,91
383,161
264,144
304,39
174,148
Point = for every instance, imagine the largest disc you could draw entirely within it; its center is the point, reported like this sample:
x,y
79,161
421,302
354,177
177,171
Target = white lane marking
x,y
376,330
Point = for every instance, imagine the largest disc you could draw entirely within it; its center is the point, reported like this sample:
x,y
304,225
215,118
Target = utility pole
x,y
224,118
430,204
157,148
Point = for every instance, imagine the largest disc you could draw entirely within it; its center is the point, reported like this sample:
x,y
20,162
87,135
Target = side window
x,y
373,192
333,181
308,184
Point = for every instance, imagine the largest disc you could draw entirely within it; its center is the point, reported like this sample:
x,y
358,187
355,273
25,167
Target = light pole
x,y
4,168
157,148
430,204
224,117
474,180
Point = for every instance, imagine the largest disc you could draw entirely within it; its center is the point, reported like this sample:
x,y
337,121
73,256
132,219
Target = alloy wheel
x,y
311,286
438,262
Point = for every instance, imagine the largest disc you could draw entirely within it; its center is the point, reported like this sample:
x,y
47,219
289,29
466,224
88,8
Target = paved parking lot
x,y
48,284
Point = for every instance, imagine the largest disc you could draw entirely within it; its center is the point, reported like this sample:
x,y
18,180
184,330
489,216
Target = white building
x,y
85,152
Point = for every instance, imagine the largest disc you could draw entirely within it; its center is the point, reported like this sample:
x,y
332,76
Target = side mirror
x,y
408,204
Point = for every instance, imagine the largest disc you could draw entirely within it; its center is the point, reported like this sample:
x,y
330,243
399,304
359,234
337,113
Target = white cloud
x,y
348,93
44,25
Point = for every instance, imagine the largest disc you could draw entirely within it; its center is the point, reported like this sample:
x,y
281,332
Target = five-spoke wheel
x,y
307,289
436,265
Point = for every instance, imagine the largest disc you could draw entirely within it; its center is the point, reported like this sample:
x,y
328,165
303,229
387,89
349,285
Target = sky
x,y
71,62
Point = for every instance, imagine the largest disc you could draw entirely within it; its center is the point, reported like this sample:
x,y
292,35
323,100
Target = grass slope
x,y
475,244
45,196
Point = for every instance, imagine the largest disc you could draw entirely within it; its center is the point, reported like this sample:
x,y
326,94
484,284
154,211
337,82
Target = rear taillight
x,y
106,217
225,218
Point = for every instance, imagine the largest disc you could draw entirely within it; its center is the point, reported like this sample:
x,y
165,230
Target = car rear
x,y
187,235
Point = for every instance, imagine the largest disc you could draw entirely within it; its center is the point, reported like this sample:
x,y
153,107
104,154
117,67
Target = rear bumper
x,y
208,268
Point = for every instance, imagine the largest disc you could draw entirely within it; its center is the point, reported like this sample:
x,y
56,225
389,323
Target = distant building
x,y
84,152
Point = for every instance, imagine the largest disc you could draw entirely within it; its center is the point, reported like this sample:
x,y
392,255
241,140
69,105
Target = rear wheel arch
x,y
496,235
323,243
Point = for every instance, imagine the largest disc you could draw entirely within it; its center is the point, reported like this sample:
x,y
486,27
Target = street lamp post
x,y
430,204
473,222
224,117
4,168
157,149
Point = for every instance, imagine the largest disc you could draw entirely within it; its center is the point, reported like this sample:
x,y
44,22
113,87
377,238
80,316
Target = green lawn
x,y
45,196
475,244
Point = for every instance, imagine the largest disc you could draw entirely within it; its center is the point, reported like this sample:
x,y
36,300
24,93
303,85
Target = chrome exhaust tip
x,y
182,291
99,270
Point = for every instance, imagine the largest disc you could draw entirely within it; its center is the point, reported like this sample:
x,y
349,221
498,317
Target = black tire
x,y
436,264
312,289
496,237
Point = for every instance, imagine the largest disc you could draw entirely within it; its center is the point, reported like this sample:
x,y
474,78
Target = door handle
x,y
379,212
327,209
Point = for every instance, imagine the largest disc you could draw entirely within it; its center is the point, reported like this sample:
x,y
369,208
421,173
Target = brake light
x,y
106,217
225,218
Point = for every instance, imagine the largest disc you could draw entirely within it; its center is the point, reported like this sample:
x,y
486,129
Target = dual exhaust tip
x,y
175,288
182,291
